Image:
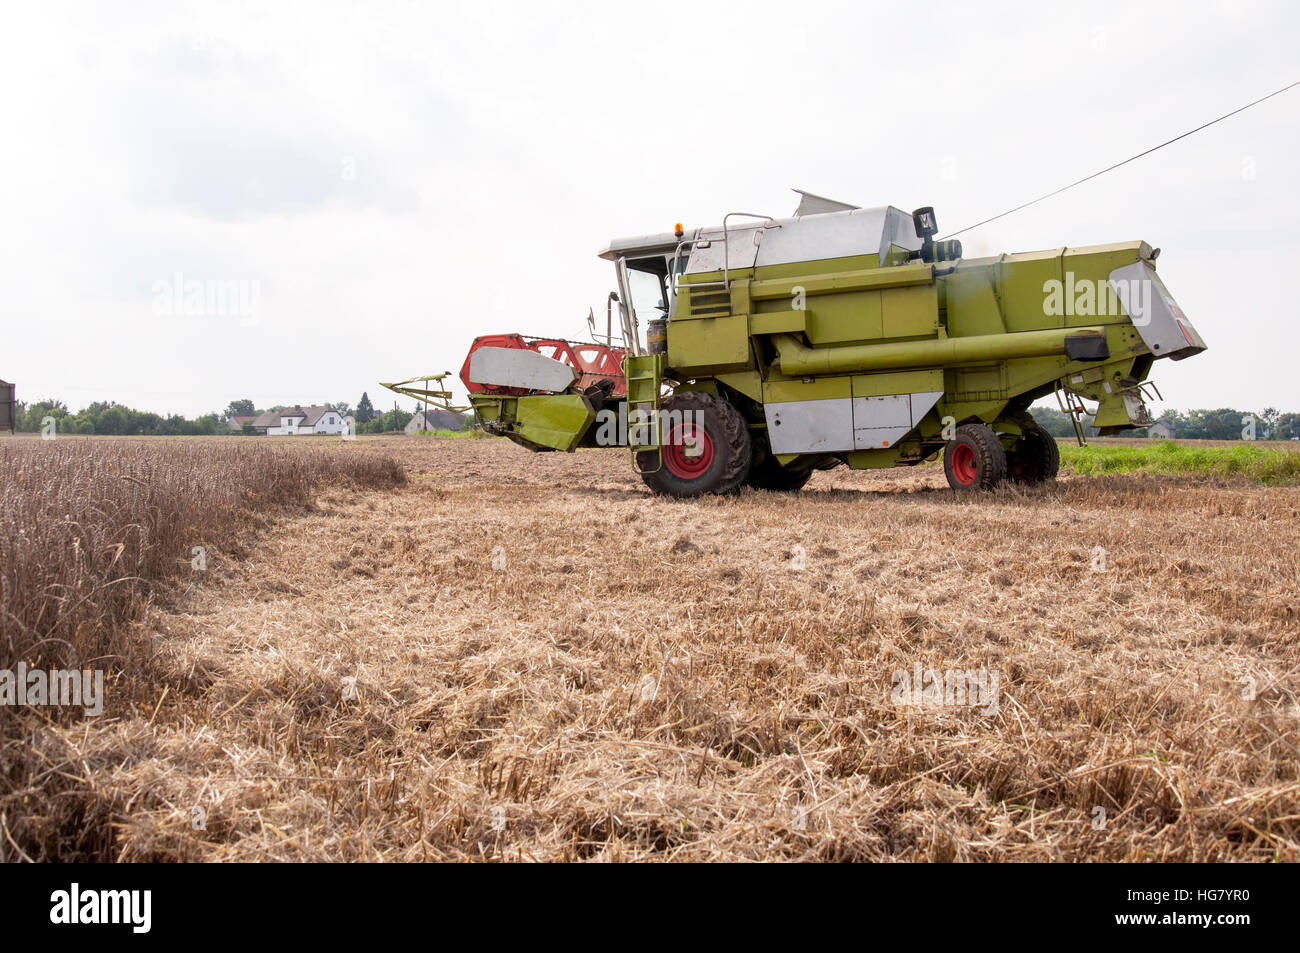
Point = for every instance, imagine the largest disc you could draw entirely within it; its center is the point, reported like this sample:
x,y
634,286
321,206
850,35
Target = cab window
x,y
648,285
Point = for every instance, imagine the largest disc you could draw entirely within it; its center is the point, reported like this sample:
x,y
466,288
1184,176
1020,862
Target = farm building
x,y
297,420
436,420
236,424
1161,431
8,407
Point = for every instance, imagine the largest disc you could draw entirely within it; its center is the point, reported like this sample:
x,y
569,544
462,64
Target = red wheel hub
x,y
688,454
965,468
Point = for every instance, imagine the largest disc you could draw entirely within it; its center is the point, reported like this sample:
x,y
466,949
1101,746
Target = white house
x,y
297,420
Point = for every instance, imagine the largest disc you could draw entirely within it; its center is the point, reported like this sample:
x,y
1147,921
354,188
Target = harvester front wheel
x,y
974,460
706,447
1036,459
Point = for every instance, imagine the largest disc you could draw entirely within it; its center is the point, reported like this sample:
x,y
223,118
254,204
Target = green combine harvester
x,y
841,335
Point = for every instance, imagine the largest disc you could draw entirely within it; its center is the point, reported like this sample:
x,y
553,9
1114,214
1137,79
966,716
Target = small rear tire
x,y
1036,458
974,460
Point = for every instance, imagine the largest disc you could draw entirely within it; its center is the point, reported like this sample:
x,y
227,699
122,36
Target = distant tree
x,y
386,422
365,411
240,408
1269,420
1223,423
1059,424
113,420
1288,427
81,423
343,407
109,418
33,414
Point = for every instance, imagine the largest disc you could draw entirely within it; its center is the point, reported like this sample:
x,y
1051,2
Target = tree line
x,y
1224,423
109,418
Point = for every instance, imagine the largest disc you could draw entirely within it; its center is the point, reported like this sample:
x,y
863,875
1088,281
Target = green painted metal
x,y
547,421
554,420
644,375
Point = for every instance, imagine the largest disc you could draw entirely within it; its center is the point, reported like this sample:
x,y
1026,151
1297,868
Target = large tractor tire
x,y
707,451
1036,458
974,460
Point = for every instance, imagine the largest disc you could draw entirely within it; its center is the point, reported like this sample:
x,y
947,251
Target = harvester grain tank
x,y
840,336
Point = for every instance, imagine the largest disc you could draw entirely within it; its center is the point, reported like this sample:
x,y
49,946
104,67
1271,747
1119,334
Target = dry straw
x,y
517,656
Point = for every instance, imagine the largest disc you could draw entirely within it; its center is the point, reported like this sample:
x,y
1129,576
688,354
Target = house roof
x,y
438,419
310,415
314,413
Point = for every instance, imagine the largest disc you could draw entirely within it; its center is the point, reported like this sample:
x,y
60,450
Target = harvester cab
x,y
839,336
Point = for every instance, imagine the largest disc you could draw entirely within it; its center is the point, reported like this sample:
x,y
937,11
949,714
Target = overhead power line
x,y
1126,161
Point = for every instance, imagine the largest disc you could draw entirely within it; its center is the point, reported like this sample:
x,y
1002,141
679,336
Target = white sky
x,y
399,178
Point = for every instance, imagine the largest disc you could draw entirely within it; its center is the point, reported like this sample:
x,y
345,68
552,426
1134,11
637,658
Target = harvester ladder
x,y
1071,405
644,381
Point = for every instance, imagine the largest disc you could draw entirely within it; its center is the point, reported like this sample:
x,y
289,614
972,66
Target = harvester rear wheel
x,y
974,460
1036,459
706,447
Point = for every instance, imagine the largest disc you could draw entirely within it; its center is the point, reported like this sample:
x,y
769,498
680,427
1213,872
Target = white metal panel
x,y
863,231
810,204
922,403
810,426
832,235
899,230
1155,314
883,421
820,235
845,423
741,247
517,367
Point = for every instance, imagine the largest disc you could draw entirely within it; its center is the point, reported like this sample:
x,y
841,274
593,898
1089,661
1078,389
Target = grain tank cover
x,y
816,237
820,229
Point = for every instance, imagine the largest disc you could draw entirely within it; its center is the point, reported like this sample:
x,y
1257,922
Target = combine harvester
x,y
842,335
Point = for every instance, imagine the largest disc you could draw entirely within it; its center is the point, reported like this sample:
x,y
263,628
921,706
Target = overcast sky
x,y
392,180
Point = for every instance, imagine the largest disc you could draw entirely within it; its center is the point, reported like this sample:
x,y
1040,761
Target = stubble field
x,y
526,656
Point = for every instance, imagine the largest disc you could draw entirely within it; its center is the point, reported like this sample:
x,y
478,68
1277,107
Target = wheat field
x,y
515,656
